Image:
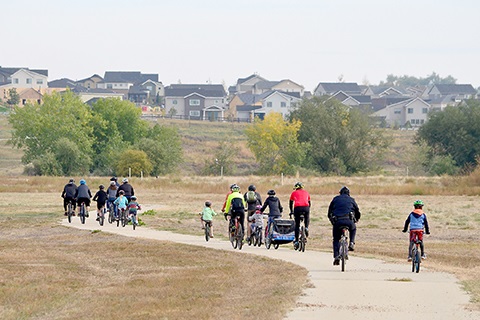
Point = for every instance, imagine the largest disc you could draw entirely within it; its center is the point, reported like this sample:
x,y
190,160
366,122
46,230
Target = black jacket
x,y
69,191
341,207
127,188
274,206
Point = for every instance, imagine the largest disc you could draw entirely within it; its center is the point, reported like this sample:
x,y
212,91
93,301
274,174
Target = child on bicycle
x,y
121,202
257,221
133,206
101,198
418,221
275,208
207,216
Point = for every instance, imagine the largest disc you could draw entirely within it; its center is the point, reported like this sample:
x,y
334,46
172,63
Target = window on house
x,y
149,88
39,101
174,101
194,102
410,110
194,113
109,86
39,81
283,104
29,80
24,101
15,80
422,121
269,104
397,111
424,110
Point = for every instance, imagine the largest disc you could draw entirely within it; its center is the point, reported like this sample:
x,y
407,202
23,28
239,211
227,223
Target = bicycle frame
x,y
343,252
415,254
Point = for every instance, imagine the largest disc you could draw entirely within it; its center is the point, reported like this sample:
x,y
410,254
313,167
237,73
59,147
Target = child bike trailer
x,y
281,232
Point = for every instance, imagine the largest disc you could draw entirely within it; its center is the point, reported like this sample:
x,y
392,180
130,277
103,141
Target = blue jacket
x,y
417,220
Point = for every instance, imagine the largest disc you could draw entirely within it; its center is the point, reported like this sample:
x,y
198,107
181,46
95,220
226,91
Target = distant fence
x,y
185,117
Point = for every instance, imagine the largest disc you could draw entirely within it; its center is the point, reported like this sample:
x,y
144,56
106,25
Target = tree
x,y
275,145
38,128
134,162
406,81
341,139
454,133
13,97
222,160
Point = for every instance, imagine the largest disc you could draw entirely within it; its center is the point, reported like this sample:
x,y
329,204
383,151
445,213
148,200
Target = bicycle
x,y
343,252
236,234
101,216
207,225
269,235
111,212
302,235
133,220
70,211
257,236
121,217
415,254
82,213
124,217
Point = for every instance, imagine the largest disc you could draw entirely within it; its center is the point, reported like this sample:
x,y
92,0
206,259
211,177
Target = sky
x,y
219,41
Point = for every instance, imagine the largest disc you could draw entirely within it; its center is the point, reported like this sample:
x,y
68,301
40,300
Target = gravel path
x,y
369,289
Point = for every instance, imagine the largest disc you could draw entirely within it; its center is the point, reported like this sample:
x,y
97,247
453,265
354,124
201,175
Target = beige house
x,y
413,112
24,78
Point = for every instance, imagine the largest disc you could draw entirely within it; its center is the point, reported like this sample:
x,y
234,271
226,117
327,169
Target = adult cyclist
x,y
253,199
343,212
236,207
300,204
127,188
84,195
68,194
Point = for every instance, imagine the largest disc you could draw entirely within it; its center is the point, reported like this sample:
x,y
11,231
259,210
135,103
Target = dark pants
x,y
66,201
297,211
241,214
337,233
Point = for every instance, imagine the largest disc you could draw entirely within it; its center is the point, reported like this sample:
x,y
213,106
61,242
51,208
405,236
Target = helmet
x,y
418,203
235,187
133,198
112,183
344,190
71,181
121,192
232,185
113,178
252,188
298,185
125,180
101,187
258,207
208,203
271,192
83,181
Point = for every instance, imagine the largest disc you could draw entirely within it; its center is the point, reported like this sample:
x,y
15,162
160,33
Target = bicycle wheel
x,y
69,212
276,245
259,237
239,238
207,231
343,252
413,255
134,222
110,214
301,242
418,260
82,213
124,219
268,238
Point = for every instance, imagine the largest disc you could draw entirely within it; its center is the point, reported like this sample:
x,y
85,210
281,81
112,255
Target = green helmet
x,y
298,185
418,203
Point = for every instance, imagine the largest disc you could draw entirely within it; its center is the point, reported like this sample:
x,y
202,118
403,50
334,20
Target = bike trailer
x,y
283,231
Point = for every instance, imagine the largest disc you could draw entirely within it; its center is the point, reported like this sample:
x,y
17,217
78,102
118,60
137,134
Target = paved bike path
x,y
369,289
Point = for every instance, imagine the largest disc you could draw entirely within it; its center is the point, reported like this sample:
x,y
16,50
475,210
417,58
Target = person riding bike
x,y
68,194
418,221
343,212
207,216
127,189
275,208
253,199
133,207
112,195
300,204
121,202
101,198
236,207
83,195
226,197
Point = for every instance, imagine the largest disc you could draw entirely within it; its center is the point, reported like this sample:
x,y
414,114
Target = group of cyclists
x,y
343,212
120,196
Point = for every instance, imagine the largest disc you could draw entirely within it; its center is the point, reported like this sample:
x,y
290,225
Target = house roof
x,y
266,84
89,78
242,80
332,87
381,89
11,71
445,89
137,90
128,77
206,90
380,103
62,83
247,107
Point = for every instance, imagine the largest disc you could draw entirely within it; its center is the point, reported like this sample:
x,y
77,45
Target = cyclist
x,y
127,189
207,216
300,204
101,198
252,198
115,180
68,194
343,212
257,221
133,207
275,208
418,221
121,202
236,207
226,197
83,195
112,195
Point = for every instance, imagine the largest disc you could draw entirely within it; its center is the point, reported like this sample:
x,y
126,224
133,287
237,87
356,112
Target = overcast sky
x,y
219,41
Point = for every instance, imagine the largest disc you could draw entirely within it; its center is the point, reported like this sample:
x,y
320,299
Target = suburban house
x,y
196,101
245,84
260,105
24,78
62,83
413,112
460,91
123,80
282,85
90,82
89,95
149,92
359,101
330,88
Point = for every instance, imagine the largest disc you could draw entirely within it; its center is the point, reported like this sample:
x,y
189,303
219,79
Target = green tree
x,y
70,159
405,80
275,145
163,146
13,97
453,133
134,162
38,128
341,139
222,161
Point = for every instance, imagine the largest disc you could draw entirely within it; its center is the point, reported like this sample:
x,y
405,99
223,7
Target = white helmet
x,y
125,180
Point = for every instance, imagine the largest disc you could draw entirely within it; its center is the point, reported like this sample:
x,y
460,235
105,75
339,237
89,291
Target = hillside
x,y
201,141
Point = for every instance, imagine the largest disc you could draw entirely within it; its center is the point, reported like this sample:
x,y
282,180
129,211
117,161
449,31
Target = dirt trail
x,y
369,289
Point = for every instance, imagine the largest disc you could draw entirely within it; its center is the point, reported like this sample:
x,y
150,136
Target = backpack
x,y
251,197
237,205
